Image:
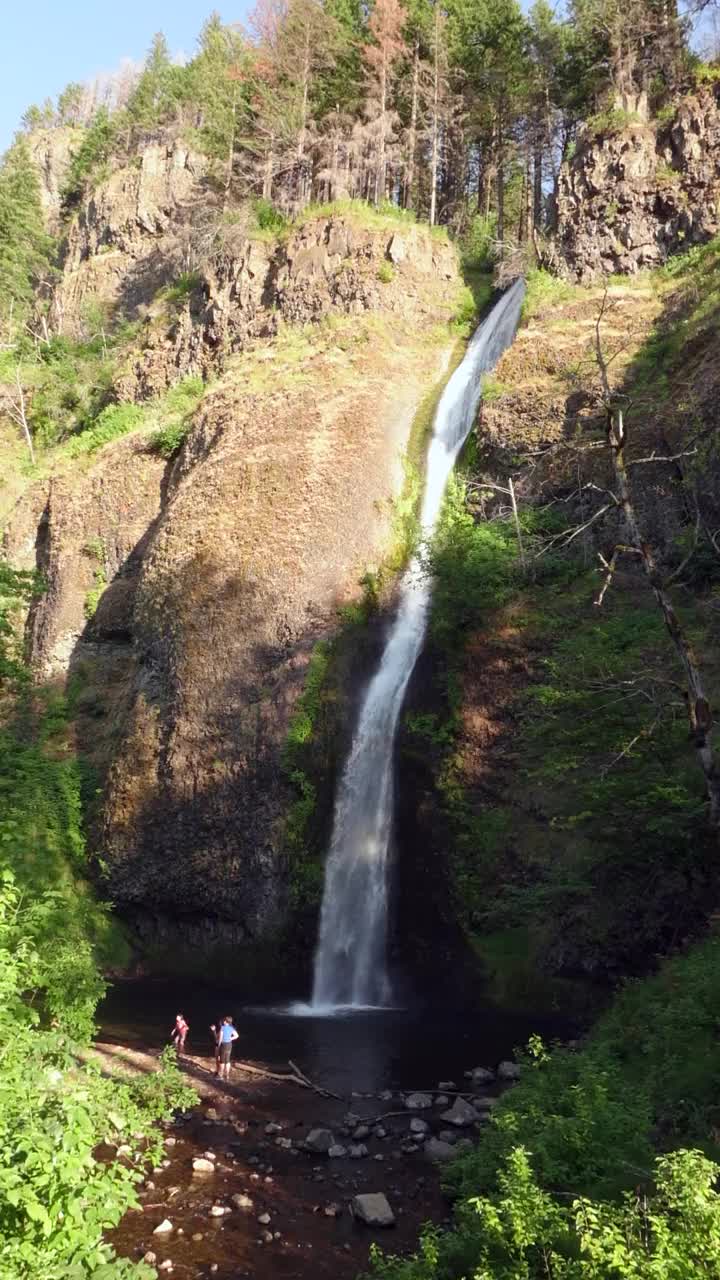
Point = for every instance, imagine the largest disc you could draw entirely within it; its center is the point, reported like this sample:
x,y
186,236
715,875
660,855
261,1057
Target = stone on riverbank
x,y
337,1151
437,1150
201,1165
320,1141
242,1202
163,1228
480,1075
509,1071
418,1126
460,1114
373,1209
418,1101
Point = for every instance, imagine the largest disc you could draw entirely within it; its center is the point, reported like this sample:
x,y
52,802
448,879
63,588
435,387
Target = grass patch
x,y
543,291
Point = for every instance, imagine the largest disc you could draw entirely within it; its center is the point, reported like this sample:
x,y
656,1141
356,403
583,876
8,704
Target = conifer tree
x,y
25,248
383,52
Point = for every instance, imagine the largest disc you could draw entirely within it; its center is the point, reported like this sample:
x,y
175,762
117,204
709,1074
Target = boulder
x,y
357,1150
448,1135
445,1085
337,1151
418,1101
396,249
509,1071
202,1165
436,1149
442,1100
418,1126
373,1209
481,1075
484,1104
319,1141
460,1114
362,1131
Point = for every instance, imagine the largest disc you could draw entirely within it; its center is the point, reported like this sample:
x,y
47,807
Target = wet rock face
x,y
627,201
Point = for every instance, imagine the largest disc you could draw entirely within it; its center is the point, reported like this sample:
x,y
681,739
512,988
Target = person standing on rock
x,y
215,1029
225,1044
179,1033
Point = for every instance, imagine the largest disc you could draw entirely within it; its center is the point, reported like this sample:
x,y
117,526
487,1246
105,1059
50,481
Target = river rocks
x,y
460,1114
333,1210
448,1135
285,1144
447,1085
380,1132
373,1209
442,1100
480,1075
166,1265
197,1237
150,1258
386,1095
418,1101
357,1150
319,1141
337,1151
272,1127
484,1104
163,1228
264,1219
362,1131
202,1165
242,1202
418,1126
509,1071
218,1211
437,1150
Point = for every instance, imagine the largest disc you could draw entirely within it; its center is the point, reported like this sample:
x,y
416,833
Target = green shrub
x,y
477,243
180,290
112,422
385,274
267,217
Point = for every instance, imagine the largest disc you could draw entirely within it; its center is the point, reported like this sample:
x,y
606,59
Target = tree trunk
x,y
380,171
537,185
268,172
698,706
500,180
435,144
412,130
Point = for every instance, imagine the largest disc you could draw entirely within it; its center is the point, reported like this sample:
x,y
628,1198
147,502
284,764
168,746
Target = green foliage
x,y
94,151
546,1191
385,274
474,566
181,289
56,1197
477,243
544,290
25,248
111,423
176,409
17,589
267,217
613,120
492,388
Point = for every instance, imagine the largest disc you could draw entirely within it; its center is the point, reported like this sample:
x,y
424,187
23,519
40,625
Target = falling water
x,y
350,961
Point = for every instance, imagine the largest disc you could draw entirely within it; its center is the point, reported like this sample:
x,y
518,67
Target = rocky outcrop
x,y
627,200
52,151
131,235
248,287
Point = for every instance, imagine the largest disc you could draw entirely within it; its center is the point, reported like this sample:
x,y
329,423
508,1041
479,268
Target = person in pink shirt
x,y
179,1033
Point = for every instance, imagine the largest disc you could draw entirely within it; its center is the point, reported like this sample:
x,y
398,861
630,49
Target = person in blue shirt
x,y
226,1037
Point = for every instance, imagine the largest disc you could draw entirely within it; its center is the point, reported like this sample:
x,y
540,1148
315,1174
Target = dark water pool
x,y
409,1048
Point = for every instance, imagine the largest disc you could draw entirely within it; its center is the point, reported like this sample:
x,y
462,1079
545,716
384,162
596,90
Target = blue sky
x,y
47,43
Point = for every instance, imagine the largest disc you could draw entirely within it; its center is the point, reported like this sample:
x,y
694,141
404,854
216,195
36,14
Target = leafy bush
x,y
544,290
267,217
176,408
112,422
385,274
477,244
546,1191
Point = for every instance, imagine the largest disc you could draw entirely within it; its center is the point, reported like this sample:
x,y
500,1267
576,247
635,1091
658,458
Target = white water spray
x,y
350,961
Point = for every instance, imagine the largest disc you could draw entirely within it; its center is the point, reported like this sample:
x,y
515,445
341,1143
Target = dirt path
x,y
306,1196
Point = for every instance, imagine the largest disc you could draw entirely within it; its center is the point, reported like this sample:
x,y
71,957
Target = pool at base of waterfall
x,y
344,1050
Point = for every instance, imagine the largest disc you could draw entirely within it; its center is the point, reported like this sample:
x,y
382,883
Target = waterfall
x,y
350,960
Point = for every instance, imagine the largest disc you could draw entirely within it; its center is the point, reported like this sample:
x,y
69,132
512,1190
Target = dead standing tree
x,y
698,706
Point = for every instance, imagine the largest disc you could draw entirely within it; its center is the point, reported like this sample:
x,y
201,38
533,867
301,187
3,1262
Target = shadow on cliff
x,y
198,783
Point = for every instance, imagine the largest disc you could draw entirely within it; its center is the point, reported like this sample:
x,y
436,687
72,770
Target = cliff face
x,y
629,199
218,571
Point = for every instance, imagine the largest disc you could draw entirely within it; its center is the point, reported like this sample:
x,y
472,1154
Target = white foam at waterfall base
x,y
351,955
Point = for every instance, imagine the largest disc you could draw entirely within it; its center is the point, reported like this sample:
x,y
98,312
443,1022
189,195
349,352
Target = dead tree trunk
x,y
698,706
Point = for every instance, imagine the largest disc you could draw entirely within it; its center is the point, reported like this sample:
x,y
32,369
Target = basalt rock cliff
x,y
632,193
